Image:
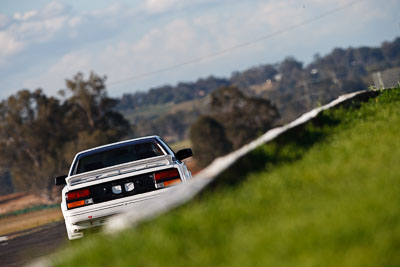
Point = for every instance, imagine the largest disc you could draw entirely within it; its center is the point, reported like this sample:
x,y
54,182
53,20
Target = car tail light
x,y
165,175
78,198
79,203
172,182
76,204
167,178
78,194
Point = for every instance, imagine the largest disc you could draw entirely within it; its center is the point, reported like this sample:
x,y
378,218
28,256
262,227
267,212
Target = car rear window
x,y
111,157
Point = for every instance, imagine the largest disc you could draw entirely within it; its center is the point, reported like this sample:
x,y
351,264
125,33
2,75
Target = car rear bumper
x,y
79,219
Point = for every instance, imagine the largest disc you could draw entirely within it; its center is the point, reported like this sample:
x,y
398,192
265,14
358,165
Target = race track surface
x,y
32,244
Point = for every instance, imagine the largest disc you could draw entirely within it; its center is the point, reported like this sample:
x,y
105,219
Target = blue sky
x,y
44,42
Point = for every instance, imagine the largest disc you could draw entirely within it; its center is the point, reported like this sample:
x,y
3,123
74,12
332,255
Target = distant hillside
x,y
180,93
291,86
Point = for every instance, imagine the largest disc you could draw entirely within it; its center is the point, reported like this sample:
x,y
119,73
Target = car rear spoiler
x,y
119,169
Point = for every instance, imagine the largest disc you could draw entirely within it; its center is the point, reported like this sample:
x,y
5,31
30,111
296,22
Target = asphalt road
x,y
32,244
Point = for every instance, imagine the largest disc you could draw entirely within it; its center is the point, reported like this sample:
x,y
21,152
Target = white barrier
x,y
183,193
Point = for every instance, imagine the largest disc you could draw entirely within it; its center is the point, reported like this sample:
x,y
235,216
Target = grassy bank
x,y
30,209
326,194
12,224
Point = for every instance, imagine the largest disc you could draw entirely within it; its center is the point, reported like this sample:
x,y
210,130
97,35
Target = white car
x,y
110,179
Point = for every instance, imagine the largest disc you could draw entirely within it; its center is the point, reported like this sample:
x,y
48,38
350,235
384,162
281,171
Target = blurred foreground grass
x,y
327,194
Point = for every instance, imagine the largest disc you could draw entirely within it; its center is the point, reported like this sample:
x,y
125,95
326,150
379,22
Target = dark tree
x,y
92,104
209,140
39,135
235,120
6,183
32,134
243,118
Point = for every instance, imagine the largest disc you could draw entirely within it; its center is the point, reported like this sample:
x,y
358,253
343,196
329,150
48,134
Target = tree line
x,y
39,134
291,86
355,64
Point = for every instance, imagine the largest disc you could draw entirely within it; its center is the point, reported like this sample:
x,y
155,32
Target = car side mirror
x,y
60,180
184,153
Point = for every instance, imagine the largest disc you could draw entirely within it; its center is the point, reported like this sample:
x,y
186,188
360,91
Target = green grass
x,y
326,194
